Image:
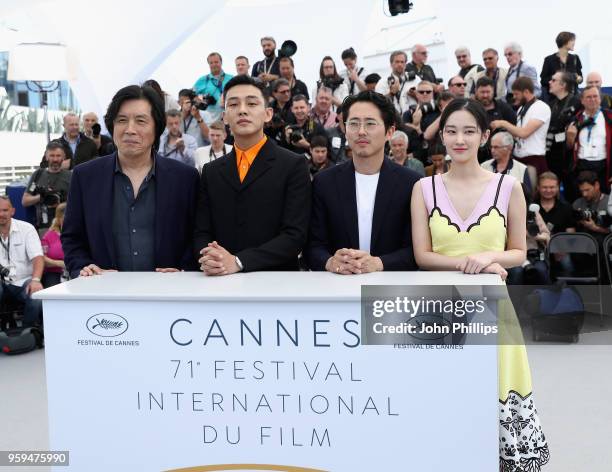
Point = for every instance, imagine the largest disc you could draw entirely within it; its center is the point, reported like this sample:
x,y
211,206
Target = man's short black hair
x,y
349,54
523,83
53,145
587,177
187,93
372,78
246,80
137,92
319,140
386,108
299,98
485,82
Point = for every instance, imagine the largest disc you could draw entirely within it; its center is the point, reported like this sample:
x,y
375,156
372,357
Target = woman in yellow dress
x,y
472,220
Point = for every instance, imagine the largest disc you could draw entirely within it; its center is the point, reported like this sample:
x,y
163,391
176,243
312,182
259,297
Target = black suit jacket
x,y
87,230
334,221
264,219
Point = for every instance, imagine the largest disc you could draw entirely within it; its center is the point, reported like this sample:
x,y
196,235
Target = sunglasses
x,y
424,92
460,84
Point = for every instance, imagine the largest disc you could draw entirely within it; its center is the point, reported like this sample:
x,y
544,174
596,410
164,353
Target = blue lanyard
x,y
592,125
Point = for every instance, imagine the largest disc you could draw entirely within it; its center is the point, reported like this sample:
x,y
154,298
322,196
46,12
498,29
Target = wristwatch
x,y
36,279
239,264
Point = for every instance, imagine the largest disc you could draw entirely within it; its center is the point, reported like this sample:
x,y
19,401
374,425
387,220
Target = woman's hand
x,y
475,263
495,268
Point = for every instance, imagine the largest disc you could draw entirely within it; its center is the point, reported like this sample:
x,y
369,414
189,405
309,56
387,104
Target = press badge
x,y
336,142
559,137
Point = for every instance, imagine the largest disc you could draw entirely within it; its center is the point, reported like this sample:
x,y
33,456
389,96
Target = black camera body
x,y
4,272
202,105
331,82
296,134
409,76
532,225
590,121
600,218
425,108
96,129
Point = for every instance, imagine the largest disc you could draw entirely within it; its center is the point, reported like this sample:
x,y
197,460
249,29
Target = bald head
x,y
594,79
89,119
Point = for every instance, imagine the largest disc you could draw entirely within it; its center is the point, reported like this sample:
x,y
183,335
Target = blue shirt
x,y
209,85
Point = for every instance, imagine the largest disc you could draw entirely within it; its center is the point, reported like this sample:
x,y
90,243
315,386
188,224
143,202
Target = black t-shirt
x,y
559,218
271,65
502,111
309,129
299,88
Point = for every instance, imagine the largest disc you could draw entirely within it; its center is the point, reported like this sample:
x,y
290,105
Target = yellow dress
x,y
522,445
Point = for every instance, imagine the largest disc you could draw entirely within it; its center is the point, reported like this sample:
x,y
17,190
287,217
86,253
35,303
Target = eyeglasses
x,y
492,58
283,91
463,56
508,54
460,84
424,92
355,125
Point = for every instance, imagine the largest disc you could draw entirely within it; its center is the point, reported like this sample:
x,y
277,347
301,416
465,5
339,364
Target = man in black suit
x,y
254,203
132,210
361,208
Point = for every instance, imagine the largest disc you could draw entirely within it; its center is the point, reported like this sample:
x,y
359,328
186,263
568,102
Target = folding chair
x,y
607,253
574,244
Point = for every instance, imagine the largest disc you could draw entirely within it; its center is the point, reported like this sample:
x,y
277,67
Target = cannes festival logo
x,y
107,325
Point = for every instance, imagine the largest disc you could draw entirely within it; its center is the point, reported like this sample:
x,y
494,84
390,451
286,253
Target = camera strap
x,y
211,154
352,82
7,246
524,109
511,71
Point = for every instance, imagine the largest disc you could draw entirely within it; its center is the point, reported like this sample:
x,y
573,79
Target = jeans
x,y
32,312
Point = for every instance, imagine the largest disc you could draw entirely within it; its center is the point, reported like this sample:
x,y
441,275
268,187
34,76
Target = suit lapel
x,y
261,164
384,192
229,170
105,201
348,199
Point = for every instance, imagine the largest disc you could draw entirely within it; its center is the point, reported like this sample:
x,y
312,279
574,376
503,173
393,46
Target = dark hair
x,y
318,140
246,80
587,177
173,113
348,54
523,83
187,93
590,87
473,107
564,37
154,84
328,58
285,58
384,105
53,145
299,98
569,81
372,78
278,82
444,97
242,57
436,150
485,82
137,92
398,53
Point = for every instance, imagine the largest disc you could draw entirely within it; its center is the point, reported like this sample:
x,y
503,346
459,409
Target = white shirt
x,y
347,80
365,191
204,155
403,103
534,145
18,250
593,147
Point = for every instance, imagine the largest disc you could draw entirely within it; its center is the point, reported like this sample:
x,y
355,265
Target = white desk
x,y
188,362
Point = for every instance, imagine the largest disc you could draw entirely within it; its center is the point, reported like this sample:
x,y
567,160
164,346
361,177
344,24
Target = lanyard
x,y
266,70
510,72
592,125
521,115
212,155
187,124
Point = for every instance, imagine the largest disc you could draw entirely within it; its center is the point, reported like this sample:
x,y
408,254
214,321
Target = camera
x,y
96,129
51,199
204,103
425,108
296,134
532,225
590,121
331,82
4,272
600,218
530,271
409,76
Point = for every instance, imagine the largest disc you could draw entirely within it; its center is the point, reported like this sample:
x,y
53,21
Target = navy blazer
x,y
334,225
87,230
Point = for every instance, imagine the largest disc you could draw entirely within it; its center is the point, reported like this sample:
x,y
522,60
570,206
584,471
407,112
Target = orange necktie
x,y
243,167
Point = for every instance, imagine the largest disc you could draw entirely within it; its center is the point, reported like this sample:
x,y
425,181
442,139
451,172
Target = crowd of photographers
x,y
552,131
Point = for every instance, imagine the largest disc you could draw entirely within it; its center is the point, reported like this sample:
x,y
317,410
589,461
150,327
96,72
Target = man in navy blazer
x,y
132,210
360,219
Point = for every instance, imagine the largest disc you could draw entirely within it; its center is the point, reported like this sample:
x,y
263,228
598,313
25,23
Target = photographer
x,y
210,86
353,76
319,155
267,70
174,144
590,137
301,128
194,117
398,85
281,106
418,67
93,130
534,271
564,106
287,72
591,209
322,111
419,117
328,77
48,187
337,139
